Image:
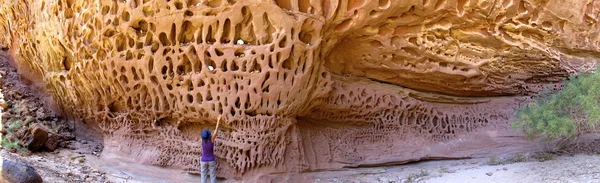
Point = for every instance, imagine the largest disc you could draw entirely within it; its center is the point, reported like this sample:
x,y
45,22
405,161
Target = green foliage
x,y
12,128
494,161
542,156
16,124
12,145
414,177
562,115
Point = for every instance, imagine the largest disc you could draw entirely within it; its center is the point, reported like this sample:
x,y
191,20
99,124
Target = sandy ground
x,y
64,165
68,165
76,165
577,168
568,168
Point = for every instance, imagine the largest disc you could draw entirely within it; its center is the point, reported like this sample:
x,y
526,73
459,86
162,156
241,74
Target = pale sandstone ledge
x,y
305,85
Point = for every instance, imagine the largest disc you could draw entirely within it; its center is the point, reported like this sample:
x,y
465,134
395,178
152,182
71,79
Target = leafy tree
x,y
564,115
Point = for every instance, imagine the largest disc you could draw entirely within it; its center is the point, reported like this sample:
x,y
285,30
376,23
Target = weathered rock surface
x,y
39,136
17,172
315,85
52,142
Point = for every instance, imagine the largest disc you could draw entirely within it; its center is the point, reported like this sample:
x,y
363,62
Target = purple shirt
x,y
207,151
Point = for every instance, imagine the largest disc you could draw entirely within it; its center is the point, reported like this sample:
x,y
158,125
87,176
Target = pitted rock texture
x,y
303,85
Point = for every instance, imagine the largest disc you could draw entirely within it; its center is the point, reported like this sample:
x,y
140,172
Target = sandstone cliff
x,y
304,85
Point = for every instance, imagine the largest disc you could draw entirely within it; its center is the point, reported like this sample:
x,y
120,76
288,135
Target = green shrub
x,y
561,116
414,177
542,156
14,125
12,145
493,161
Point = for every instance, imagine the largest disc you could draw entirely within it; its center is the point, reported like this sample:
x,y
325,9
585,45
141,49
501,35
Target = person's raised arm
x,y
216,130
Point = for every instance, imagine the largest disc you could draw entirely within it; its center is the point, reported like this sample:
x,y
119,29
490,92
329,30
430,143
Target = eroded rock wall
x,y
303,85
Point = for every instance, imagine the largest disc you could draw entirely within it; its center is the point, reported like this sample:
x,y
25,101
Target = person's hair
x,y
205,135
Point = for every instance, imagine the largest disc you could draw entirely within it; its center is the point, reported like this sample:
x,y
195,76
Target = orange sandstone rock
x,y
304,85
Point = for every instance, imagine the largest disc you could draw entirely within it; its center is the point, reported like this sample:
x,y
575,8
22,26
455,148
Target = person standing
x,y
207,161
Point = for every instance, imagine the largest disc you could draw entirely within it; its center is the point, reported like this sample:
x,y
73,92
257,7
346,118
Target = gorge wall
x,y
303,85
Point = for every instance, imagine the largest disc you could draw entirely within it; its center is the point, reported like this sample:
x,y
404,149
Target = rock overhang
x,y
304,85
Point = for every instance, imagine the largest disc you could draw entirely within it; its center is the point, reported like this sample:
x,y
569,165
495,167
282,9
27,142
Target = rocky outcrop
x,y
304,85
26,122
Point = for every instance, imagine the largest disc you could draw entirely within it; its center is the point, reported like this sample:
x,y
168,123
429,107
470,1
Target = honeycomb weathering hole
x,y
187,32
285,4
297,81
